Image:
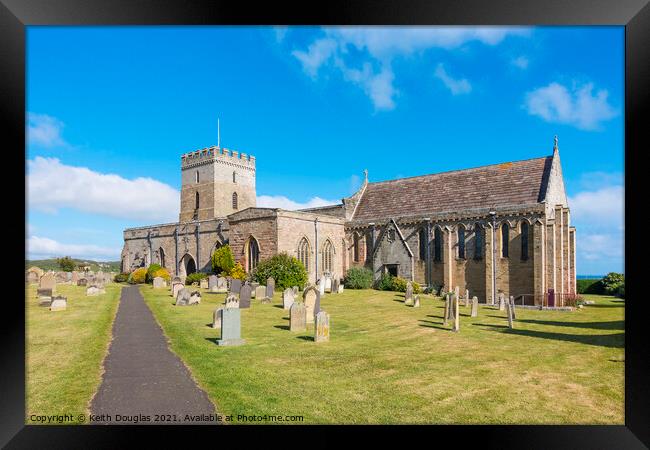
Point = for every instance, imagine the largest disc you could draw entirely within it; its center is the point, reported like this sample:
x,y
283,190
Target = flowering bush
x,y
138,276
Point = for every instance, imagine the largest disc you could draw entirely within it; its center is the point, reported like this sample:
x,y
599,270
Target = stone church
x,y
498,228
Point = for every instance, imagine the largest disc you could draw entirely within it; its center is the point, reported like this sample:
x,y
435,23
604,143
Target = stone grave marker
x,y
416,303
74,277
48,281
32,277
232,301
203,284
335,285
216,317
295,290
321,287
340,291
183,297
44,292
260,292
159,283
288,298
212,282
475,306
297,317
512,306
195,298
466,298
502,303
270,287
322,328
59,303
328,283
176,288
446,315
82,282
91,291
231,327
235,286
245,296
509,314
456,327
309,297
44,301
408,295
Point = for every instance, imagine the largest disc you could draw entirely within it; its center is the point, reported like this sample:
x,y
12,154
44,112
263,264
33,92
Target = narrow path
x,y
142,377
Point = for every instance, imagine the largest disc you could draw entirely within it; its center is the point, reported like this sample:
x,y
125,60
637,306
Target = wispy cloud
x,y
364,55
577,105
42,248
520,62
52,185
44,130
280,201
456,86
602,207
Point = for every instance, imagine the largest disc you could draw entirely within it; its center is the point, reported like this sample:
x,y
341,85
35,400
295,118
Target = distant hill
x,y
50,264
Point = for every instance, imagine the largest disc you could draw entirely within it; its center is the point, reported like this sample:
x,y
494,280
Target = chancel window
x,y
355,247
303,253
437,245
524,240
478,242
423,244
234,200
328,256
461,242
505,239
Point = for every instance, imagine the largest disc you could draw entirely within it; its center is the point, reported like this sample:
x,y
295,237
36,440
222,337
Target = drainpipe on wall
x,y
316,252
494,256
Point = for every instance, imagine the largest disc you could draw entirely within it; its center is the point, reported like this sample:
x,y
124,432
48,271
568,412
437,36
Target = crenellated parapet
x,y
218,155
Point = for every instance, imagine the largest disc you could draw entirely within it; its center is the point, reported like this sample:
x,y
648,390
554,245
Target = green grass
x,y
389,363
64,350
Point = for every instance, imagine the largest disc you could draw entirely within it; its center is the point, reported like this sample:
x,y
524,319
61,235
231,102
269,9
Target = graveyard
x,y
386,362
64,349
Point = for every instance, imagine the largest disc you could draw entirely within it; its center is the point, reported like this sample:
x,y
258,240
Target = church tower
x,y
216,182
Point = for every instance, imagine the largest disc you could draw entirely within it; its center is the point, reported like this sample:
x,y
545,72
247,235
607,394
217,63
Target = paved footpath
x,y
142,376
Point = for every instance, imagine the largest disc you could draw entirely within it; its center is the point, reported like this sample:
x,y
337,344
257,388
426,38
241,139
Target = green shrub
x,y
121,277
150,271
66,264
590,286
195,277
138,276
286,270
358,278
223,261
385,282
612,282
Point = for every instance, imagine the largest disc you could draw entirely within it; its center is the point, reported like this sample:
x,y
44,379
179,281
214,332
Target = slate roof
x,y
505,184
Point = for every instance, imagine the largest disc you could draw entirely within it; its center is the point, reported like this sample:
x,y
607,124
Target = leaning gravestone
x,y
82,282
297,317
309,297
260,292
48,281
212,282
322,328
203,284
231,327
159,283
416,303
94,290
176,288
216,317
235,286
245,296
58,303
287,298
183,297
408,296
475,306
195,298
270,287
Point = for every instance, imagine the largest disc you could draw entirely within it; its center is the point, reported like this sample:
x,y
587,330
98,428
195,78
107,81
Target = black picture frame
x,y
15,15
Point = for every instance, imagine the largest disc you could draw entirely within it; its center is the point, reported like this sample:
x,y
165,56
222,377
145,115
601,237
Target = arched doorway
x,y
252,252
187,265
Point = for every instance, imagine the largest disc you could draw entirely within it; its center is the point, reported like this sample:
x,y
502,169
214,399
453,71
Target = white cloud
x,y
280,32
603,207
280,201
377,47
43,248
578,107
521,62
456,86
44,130
601,247
52,185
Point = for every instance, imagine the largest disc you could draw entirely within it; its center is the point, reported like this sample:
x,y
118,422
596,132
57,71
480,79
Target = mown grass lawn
x,y
64,351
389,363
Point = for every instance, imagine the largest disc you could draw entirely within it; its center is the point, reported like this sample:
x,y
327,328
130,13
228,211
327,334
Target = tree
x,y
66,264
612,282
222,260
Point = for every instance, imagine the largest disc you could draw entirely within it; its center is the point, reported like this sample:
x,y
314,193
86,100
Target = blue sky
x,y
111,109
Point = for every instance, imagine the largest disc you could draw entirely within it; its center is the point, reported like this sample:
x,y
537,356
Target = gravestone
x,y
509,314
183,297
321,287
245,296
59,303
203,284
32,277
295,290
177,279
232,301
254,286
309,298
475,306
260,292
409,293
82,282
327,283
416,303
502,302
297,317
48,281
288,298
195,298
231,327
176,288
61,277
512,306
270,287
212,282
340,291
456,327
216,317
322,328
94,290
74,277
335,285
44,301
466,298
235,286
159,283
44,292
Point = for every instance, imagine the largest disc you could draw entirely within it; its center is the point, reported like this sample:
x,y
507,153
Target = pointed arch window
x,y
234,200
253,254
423,244
303,253
197,176
461,242
234,177
478,241
524,240
437,245
161,256
355,248
505,239
328,256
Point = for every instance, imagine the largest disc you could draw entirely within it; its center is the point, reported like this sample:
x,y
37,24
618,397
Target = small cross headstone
x,y
216,317
288,298
231,327
245,296
322,328
417,302
58,303
297,317
474,306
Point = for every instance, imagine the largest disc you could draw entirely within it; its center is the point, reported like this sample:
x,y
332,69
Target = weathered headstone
x,y
235,286
216,317
475,306
508,308
195,298
203,284
44,292
48,281
466,298
82,282
212,282
341,287
287,298
447,308
183,297
94,290
260,292
456,327
232,301
502,303
327,283
416,303
74,277
310,297
231,327
245,296
176,288
58,303
512,306
297,317
270,287
408,295
322,327
159,283
321,287
44,301
335,285
32,277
